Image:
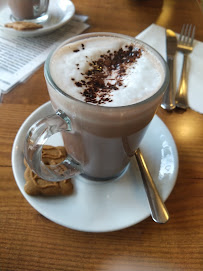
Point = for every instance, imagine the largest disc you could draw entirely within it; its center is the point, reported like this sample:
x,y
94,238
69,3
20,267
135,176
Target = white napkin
x,y
155,36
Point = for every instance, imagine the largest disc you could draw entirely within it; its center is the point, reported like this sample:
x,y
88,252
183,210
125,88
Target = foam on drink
x,y
106,71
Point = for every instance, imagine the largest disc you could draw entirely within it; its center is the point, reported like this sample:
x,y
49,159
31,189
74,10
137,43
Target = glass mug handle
x,y
36,137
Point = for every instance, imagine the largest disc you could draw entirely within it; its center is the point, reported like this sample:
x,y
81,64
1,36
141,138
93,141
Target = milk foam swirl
x,y
107,71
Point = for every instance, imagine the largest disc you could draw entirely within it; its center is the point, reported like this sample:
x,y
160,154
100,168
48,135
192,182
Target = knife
x,y
168,101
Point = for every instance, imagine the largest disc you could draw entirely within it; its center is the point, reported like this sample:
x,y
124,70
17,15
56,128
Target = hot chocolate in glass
x,y
29,10
105,89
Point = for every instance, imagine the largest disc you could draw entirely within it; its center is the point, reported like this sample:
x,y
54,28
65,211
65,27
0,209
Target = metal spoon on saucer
x,y
159,212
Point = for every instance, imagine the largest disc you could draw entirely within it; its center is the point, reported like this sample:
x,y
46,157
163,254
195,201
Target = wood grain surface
x,y
28,241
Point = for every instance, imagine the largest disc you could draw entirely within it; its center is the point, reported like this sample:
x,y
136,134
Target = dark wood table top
x,y
29,241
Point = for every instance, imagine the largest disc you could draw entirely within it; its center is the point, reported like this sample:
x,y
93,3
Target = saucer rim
x,y
47,107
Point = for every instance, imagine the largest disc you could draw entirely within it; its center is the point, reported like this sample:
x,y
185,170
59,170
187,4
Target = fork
x,y
185,45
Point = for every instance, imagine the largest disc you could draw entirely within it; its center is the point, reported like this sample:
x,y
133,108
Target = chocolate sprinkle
x,y
97,87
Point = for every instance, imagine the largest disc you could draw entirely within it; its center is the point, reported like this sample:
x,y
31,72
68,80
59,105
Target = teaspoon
x,y
159,212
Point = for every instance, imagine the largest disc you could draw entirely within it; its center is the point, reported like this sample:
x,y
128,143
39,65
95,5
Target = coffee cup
x,y
29,10
105,89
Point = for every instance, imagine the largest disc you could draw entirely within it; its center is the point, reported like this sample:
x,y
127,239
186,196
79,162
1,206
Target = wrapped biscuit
x,y
22,25
37,186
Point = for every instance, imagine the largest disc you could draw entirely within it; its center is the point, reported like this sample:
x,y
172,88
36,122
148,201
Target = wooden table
x,y
28,241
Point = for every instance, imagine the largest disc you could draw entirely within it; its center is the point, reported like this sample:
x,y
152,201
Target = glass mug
x,y
100,141
34,10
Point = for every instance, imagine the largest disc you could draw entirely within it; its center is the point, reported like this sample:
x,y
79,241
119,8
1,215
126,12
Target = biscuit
x,y
37,186
20,26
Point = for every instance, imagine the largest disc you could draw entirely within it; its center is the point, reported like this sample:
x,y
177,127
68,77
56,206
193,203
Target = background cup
x,y
32,10
100,141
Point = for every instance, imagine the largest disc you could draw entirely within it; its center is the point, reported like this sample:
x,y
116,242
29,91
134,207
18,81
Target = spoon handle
x,y
159,212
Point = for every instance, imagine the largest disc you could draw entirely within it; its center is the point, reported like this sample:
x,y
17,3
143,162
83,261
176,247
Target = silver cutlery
x,y
168,101
159,212
185,45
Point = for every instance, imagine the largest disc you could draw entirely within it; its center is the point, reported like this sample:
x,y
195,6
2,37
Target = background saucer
x,y
59,12
104,206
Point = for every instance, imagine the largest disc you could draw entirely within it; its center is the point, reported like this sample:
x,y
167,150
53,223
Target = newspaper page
x,y
21,56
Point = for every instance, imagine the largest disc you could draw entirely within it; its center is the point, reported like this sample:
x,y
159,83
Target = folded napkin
x,y
155,36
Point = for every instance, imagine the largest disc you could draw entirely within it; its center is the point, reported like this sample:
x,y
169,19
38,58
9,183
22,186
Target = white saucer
x,y
104,206
59,13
